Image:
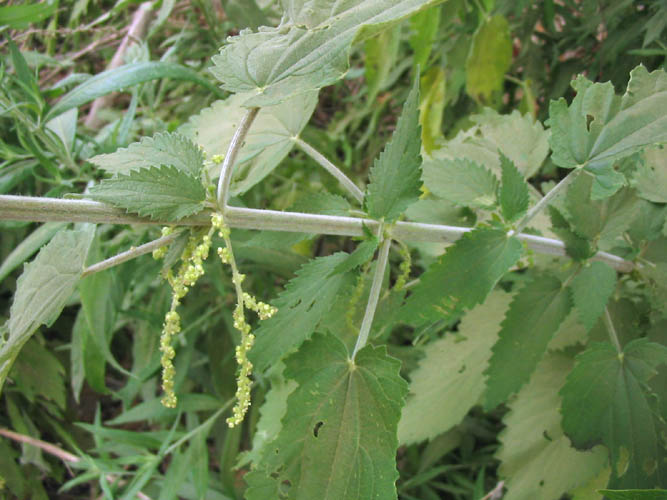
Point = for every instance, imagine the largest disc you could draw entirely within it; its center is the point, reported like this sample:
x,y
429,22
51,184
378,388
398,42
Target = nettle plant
x,y
554,305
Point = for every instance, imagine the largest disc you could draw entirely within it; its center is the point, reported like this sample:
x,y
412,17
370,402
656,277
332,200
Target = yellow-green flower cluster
x,y
191,269
159,253
404,267
189,272
264,311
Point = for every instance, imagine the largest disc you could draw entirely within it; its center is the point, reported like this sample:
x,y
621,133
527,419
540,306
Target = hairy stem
x,y
544,202
232,151
373,297
345,181
54,209
130,254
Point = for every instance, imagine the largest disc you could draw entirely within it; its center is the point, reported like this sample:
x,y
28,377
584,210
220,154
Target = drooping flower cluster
x,y
190,270
243,299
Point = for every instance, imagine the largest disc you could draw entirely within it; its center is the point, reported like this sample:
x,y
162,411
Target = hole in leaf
x,y
316,429
589,119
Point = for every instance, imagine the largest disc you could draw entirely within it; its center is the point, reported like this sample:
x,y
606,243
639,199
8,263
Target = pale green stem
x,y
55,209
232,151
345,181
130,254
544,202
236,276
613,336
373,297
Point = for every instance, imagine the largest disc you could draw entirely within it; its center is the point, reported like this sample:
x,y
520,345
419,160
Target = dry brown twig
x,y
57,452
496,493
137,31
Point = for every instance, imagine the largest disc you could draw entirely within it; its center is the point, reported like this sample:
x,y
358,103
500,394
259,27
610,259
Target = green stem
x,y
544,202
130,254
232,151
373,297
345,181
236,276
55,209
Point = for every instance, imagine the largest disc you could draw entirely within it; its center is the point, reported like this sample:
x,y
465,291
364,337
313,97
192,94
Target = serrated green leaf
x,y
591,289
489,59
125,76
261,486
322,203
159,193
604,221
649,223
162,149
519,137
577,247
461,181
362,254
452,371
607,182
395,177
432,106
463,276
308,51
513,194
339,433
43,290
606,400
534,316
634,494
268,142
650,179
301,306
619,126
536,458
